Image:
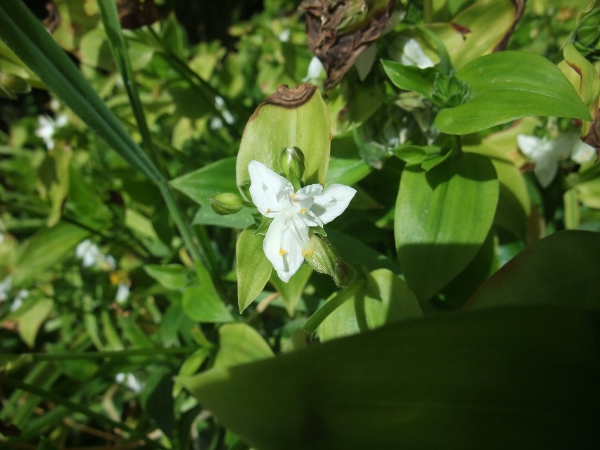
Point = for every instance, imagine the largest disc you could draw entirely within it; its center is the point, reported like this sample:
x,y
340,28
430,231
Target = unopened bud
x,y
225,203
291,161
14,83
321,256
344,273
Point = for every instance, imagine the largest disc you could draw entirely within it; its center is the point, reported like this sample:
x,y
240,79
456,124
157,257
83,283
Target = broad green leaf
x,y
240,343
411,78
514,204
290,117
384,299
477,30
346,171
170,276
509,85
189,367
253,268
47,248
494,379
561,269
442,217
588,86
30,317
209,180
291,292
203,306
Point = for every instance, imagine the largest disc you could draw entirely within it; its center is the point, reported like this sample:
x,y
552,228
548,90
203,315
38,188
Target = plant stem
x,y
332,304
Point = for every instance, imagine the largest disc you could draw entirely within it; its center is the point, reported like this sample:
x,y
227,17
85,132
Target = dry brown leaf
x,y
336,39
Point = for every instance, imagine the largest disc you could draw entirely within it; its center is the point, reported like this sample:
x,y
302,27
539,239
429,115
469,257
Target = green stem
x,y
77,407
334,303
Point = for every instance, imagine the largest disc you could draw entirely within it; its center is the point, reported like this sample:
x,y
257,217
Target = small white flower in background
x,y
546,153
122,293
130,381
315,68
47,128
88,252
582,152
284,36
287,241
413,55
220,105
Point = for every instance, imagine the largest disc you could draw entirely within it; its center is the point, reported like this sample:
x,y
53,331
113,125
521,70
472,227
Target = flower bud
x,y
225,203
321,256
291,161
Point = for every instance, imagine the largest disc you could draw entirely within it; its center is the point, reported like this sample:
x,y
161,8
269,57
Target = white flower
x,y
130,381
284,36
413,55
122,293
546,153
582,152
88,252
287,241
47,128
314,70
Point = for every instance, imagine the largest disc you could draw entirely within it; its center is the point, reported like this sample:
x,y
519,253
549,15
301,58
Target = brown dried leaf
x,y
333,36
519,8
290,97
593,137
52,21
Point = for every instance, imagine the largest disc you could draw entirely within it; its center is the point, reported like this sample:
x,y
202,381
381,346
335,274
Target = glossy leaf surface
x,y
507,86
442,218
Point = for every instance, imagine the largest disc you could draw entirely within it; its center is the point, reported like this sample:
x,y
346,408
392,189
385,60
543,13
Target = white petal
x,y
582,152
312,190
264,187
545,168
413,55
332,202
282,245
561,146
314,69
529,145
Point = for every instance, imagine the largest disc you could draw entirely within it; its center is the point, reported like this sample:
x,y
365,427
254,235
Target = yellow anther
x,y
268,211
282,252
303,210
306,253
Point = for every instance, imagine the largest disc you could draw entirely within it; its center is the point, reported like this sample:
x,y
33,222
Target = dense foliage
x,y
211,238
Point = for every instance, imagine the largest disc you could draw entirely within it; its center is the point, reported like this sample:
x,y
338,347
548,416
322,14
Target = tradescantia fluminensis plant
x,y
395,246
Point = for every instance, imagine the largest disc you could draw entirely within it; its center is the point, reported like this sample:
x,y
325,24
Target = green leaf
x,y
384,299
203,306
509,85
30,317
561,269
53,185
47,248
411,78
291,292
290,117
493,379
442,218
253,268
170,276
240,343
209,180
476,30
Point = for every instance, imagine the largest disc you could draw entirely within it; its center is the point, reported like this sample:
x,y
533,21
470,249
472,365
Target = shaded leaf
x,y
253,268
240,343
495,379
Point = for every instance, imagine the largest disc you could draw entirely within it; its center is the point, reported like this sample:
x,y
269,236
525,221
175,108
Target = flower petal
x,y
529,145
545,168
282,245
264,187
332,202
582,152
